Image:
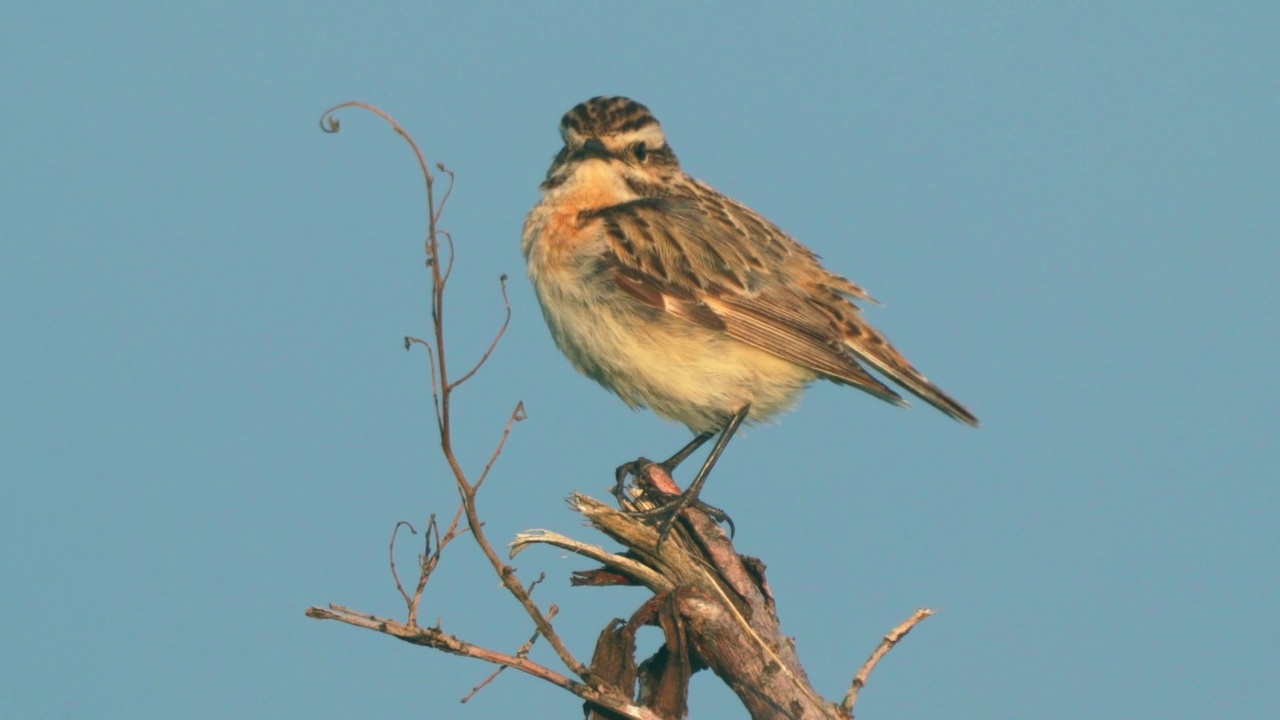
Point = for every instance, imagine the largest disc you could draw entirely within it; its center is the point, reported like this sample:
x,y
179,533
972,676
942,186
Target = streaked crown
x,y
614,121
602,116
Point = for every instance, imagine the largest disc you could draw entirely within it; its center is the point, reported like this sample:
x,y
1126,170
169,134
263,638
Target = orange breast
x,y
593,187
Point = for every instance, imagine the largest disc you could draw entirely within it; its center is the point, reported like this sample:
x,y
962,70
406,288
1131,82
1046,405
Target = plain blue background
x,y
208,421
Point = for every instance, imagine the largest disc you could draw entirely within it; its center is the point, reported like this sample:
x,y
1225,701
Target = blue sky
x,y
209,422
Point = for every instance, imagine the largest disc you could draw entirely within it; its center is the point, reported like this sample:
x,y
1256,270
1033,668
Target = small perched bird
x,y
685,301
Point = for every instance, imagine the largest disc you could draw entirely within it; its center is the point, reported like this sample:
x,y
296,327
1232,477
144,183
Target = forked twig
x,y
391,552
427,561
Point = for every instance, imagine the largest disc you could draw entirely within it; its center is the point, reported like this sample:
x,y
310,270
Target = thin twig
x,y
603,696
391,551
448,266
523,652
891,639
427,563
507,575
409,341
453,530
329,123
516,416
501,331
448,192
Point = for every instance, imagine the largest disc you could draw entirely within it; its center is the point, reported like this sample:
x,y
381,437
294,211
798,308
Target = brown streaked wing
x,y
762,235
779,328
712,278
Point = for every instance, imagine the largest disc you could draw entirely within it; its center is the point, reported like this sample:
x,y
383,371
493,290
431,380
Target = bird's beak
x,y
592,148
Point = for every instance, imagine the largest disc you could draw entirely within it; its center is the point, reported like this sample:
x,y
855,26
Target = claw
x,y
671,510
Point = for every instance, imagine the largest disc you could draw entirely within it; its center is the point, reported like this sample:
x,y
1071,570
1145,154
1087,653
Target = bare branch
x,y
891,639
442,387
509,580
523,652
448,266
442,390
448,191
453,530
435,638
409,341
391,551
496,338
516,416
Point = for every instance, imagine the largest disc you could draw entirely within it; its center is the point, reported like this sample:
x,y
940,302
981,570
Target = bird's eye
x,y
641,151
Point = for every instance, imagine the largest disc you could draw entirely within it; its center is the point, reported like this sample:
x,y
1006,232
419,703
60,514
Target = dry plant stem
x,y
409,341
426,564
734,580
506,302
440,640
523,652
892,638
516,416
505,572
427,561
391,552
466,490
442,388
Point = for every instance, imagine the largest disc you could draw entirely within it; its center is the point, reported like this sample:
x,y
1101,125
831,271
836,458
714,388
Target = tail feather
x,y
870,346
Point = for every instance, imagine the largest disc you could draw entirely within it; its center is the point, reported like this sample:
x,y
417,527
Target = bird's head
x,y
619,132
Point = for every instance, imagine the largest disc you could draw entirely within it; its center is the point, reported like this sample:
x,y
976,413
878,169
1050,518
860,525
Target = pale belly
x,y
680,370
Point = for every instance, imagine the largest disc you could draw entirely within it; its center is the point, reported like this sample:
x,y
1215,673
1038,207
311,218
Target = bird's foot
x,y
661,489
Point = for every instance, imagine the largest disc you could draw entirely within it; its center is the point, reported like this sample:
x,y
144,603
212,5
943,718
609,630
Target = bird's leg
x,y
690,495
695,487
671,463
689,498
635,467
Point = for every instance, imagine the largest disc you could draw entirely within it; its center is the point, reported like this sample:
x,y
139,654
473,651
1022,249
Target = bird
x,y
687,302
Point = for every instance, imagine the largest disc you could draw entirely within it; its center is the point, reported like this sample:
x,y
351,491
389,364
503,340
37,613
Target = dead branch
x,y
523,652
886,644
437,639
442,392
